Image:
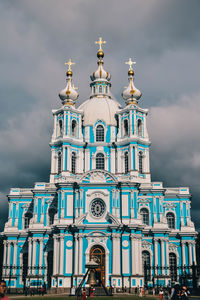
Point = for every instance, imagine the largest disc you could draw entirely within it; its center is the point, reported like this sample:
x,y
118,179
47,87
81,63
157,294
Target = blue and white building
x,y
100,201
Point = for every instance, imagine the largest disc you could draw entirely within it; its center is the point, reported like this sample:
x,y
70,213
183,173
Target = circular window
x,y
97,207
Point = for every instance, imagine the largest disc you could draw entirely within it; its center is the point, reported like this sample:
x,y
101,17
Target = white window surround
x,y
95,129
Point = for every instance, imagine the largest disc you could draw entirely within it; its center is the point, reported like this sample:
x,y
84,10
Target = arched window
x,y
100,89
173,266
170,220
73,162
27,218
59,162
126,168
146,264
139,126
74,128
140,162
125,127
60,126
100,161
106,89
145,216
93,89
99,133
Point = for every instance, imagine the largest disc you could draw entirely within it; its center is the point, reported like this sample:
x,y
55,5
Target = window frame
x,y
73,162
171,216
100,135
100,162
143,215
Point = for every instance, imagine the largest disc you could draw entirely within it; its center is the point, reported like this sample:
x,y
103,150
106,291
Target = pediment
x,y
97,176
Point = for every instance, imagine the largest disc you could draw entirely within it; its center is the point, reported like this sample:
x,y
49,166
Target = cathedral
x,y
100,202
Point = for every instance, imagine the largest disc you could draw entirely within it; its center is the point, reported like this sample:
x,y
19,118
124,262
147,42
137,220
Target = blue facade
x,y
100,202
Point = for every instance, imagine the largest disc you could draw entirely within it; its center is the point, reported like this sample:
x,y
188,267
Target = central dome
x,y
100,108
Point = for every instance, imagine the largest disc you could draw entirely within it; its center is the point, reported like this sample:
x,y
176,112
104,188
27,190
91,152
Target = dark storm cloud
x,y
37,37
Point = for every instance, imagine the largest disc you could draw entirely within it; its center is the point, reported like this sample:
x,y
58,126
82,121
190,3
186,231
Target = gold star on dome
x,y
130,63
69,63
100,42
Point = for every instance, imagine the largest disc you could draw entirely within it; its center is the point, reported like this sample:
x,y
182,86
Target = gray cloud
x,y
36,39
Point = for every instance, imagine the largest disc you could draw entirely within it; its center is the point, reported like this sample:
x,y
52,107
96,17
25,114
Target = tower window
x,y
125,127
100,161
74,128
73,162
100,89
99,133
106,89
140,162
126,162
139,126
170,220
59,162
26,220
145,216
60,126
94,89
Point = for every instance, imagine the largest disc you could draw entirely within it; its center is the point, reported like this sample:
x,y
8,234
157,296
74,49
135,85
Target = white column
x,y
80,253
194,252
156,252
29,255
136,257
55,255
133,255
116,254
61,253
190,253
140,255
21,264
41,257
163,256
112,160
4,257
8,258
167,253
34,256
46,265
14,257
183,252
58,256
76,254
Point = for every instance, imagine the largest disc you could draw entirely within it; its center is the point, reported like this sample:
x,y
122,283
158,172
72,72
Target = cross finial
x,y
69,63
130,63
100,42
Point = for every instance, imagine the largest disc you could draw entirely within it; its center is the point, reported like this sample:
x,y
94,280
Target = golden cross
x,y
69,63
130,63
100,42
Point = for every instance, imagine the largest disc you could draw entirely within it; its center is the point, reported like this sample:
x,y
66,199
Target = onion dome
x,y
69,94
100,85
131,94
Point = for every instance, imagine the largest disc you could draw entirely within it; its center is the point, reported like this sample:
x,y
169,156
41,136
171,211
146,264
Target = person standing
x,y
3,290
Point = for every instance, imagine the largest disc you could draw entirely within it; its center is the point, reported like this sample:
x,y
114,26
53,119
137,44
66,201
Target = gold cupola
x,y
69,94
100,85
131,94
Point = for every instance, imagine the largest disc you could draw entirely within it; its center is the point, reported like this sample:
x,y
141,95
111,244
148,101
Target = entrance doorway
x,y
97,253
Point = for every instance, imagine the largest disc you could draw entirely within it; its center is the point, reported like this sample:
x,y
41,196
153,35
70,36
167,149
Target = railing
x,y
184,275
21,274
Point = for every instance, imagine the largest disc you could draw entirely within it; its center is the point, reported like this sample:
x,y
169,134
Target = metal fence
x,y
184,275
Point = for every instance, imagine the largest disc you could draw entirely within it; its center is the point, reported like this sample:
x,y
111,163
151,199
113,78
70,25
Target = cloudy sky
x,y
37,37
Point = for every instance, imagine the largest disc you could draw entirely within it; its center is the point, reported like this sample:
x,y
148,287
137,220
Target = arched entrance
x,y
97,253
